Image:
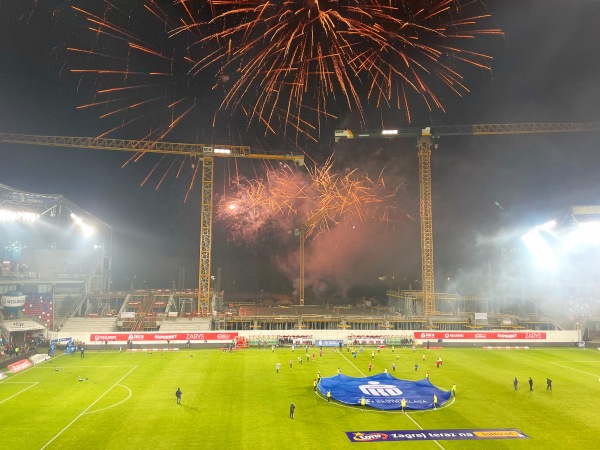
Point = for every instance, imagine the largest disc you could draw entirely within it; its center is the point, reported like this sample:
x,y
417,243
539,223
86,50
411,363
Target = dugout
x,y
21,331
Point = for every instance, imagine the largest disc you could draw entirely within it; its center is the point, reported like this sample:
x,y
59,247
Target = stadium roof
x,y
49,205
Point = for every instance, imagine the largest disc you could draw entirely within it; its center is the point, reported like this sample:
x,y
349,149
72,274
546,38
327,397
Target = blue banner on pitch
x,y
383,391
435,435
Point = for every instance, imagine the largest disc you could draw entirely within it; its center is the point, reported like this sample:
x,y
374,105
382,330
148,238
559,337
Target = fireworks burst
x,y
287,65
285,198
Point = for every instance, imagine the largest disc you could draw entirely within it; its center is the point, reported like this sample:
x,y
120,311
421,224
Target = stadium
x,y
57,300
484,112
56,279
64,329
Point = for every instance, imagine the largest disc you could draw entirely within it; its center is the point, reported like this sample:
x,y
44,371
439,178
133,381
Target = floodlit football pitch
x,y
238,401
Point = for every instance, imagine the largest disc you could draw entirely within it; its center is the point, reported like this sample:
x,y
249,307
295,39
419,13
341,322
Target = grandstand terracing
x,y
173,311
250,316
137,311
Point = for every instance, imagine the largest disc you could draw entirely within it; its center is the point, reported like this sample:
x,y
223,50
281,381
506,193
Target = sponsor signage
x,y
21,325
329,342
481,316
19,365
39,358
162,337
435,435
13,301
485,335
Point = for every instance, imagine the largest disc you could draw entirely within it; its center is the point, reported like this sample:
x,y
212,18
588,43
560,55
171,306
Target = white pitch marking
x,y
86,409
407,415
576,370
33,383
116,404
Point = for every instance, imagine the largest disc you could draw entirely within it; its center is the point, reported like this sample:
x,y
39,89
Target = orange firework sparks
x,y
307,57
285,197
286,65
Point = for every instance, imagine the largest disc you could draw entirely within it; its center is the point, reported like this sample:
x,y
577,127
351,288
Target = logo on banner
x,y
20,365
428,335
14,299
136,337
507,336
376,389
369,437
105,337
435,435
163,337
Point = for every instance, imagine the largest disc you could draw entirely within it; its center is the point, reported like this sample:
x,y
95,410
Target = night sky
x,y
545,69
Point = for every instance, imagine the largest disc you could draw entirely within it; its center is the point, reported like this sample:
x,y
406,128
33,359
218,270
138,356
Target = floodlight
x,y
583,236
86,229
539,247
547,226
11,215
222,151
389,132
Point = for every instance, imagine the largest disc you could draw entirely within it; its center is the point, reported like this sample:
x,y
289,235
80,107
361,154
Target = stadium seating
x,y
39,307
192,324
89,324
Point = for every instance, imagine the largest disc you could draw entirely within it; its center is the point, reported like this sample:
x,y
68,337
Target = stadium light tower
x,y
11,215
205,153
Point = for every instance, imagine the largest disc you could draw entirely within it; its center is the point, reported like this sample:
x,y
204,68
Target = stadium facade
x,y
56,281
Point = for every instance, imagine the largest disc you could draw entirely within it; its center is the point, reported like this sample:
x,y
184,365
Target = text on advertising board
x,y
487,335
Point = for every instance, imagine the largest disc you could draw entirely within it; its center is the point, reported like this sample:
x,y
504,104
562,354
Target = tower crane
x,y
203,152
424,137
302,232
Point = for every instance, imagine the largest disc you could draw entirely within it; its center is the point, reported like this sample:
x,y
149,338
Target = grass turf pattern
x,y
238,401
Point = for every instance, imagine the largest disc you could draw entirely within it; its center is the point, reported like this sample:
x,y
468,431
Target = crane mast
x,y
424,137
427,272
206,153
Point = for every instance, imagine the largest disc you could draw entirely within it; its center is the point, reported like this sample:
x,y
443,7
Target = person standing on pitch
x,y
516,383
362,403
178,396
530,384
548,384
292,409
403,403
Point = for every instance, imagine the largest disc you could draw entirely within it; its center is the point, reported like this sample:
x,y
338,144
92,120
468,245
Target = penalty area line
x,y
87,409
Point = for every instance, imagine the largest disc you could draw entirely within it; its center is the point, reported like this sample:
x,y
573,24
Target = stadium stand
x,y
39,307
191,324
89,324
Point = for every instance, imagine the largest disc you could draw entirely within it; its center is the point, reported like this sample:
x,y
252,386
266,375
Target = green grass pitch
x,y
238,401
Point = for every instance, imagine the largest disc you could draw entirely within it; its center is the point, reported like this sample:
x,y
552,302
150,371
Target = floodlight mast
x,y
424,137
205,153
